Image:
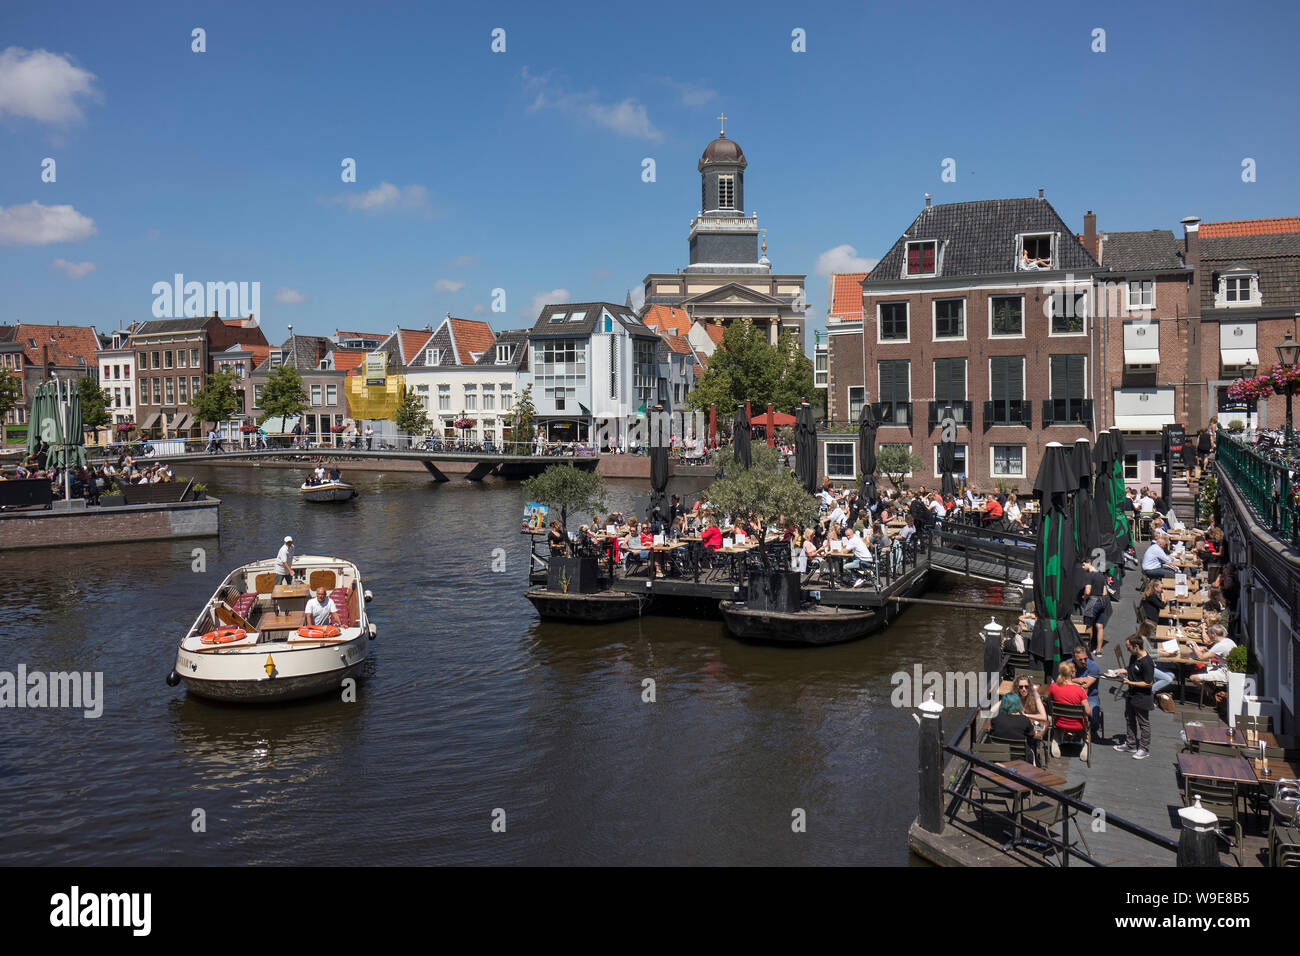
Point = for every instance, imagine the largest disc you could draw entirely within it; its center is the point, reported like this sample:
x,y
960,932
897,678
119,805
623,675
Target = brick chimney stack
x,y
1090,234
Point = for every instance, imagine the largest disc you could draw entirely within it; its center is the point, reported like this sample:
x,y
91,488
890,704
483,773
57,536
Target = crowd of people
x,y
90,482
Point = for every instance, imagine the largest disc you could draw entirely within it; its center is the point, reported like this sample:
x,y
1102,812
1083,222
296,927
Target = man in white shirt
x,y
838,516
284,562
1145,503
1156,562
861,557
320,611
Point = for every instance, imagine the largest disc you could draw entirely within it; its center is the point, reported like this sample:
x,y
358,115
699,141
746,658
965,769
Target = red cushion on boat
x,y
340,598
244,606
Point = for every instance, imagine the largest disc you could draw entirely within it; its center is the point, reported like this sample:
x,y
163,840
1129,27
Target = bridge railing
x,y
1266,482
307,444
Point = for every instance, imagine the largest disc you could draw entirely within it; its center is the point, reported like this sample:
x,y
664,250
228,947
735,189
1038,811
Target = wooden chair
x,y
1217,750
264,583
1072,712
983,789
322,578
1221,800
1047,813
1021,747
1254,723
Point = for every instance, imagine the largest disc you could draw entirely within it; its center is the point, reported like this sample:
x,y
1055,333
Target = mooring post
x,y
992,649
930,766
1198,841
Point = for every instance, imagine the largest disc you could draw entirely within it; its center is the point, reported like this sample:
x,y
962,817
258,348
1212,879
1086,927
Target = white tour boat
x,y
249,643
328,491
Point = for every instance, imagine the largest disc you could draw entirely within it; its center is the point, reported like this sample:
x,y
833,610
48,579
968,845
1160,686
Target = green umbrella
x,y
59,427
41,412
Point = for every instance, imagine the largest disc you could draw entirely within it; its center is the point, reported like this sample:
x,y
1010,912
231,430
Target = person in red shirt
x,y
711,537
1065,691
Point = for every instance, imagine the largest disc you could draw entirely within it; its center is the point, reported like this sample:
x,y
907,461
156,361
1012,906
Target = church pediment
x,y
733,294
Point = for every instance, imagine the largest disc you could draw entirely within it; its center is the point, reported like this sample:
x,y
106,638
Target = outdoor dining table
x,y
1180,613
1219,734
1213,767
1018,790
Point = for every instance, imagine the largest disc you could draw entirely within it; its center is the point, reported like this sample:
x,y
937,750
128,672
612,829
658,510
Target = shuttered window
x,y
1067,377
1007,377
949,380
893,382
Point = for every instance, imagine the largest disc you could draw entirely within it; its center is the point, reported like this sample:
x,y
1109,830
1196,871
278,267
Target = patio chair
x,y
1047,813
1221,800
1216,750
1021,747
983,789
1060,735
1254,723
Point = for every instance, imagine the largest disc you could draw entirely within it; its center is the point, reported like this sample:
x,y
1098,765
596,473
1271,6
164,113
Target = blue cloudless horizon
x,y
522,170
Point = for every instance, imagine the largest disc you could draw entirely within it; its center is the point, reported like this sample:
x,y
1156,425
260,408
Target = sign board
x,y
535,518
1177,435
376,368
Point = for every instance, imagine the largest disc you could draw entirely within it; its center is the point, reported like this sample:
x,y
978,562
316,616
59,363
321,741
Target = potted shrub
x,y
200,491
111,497
1236,425
1242,667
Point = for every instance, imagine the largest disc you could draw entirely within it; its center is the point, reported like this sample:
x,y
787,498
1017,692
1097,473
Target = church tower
x,y
722,235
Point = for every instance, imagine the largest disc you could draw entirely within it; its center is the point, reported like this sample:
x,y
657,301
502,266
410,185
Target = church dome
x,y
722,150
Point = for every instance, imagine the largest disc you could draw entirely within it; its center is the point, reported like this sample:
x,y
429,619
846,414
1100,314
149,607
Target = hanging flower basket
x,y
126,426
337,428
463,423
1251,389
248,429
1283,375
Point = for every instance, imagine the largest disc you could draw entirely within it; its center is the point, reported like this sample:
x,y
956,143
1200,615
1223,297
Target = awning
x,y
1142,423
149,422
1239,357
1141,356
182,423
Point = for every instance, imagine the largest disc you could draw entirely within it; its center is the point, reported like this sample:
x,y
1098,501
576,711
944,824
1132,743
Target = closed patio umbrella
x,y
805,448
1087,536
740,438
658,466
867,426
1108,514
1056,575
1124,540
947,465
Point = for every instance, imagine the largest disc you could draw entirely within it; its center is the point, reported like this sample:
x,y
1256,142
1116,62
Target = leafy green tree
x,y
217,401
412,419
94,403
746,367
768,489
283,394
895,461
569,489
522,418
11,396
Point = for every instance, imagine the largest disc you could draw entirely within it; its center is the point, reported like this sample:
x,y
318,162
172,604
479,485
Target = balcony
x,y
894,413
1067,411
1009,411
960,412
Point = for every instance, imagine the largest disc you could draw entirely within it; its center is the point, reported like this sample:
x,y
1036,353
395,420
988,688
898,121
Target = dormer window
x,y
922,258
433,356
504,352
1034,251
1237,287
558,316
277,359
726,192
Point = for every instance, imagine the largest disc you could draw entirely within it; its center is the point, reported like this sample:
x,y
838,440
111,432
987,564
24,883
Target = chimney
x,y
927,200
1192,241
1090,234
1040,193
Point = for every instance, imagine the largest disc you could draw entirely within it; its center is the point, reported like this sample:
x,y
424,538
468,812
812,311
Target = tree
x,y
747,368
569,489
522,418
283,395
94,403
895,461
11,396
217,401
766,488
412,419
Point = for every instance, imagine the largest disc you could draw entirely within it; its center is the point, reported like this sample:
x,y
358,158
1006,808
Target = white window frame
x,y
1052,243
1024,457
934,319
1076,292
1137,466
989,306
317,395
880,323
934,454
826,460
1221,299
504,354
848,398
444,398
938,261
1143,286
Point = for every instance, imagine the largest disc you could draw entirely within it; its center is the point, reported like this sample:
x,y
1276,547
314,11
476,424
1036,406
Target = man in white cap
x,y
284,562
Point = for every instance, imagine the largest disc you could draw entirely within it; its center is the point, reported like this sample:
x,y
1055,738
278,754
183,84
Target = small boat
x,y
600,607
814,624
328,491
248,644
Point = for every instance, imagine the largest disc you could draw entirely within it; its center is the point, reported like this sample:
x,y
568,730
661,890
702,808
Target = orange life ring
x,y
224,635
315,632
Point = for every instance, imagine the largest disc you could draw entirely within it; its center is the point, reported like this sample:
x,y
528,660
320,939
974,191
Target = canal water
x,y
468,705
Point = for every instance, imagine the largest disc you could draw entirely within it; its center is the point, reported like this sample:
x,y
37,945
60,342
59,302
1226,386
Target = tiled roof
x,y
1149,251
1249,227
303,352
59,344
1276,257
412,342
518,339
591,313
345,360
667,318
715,332
678,344
978,238
846,294
473,338
192,324
374,336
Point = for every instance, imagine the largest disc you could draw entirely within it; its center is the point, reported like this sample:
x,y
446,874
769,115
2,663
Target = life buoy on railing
x,y
224,635
315,632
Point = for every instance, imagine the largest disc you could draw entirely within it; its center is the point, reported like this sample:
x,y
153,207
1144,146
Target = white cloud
x,y
842,259
691,94
541,299
448,285
638,297
387,198
43,86
74,270
463,261
626,117
480,307
286,296
37,225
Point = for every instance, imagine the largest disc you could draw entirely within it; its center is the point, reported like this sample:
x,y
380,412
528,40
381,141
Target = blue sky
x,y
522,170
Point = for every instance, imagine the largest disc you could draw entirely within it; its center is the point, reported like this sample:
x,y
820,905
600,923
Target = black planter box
x,y
581,573
774,591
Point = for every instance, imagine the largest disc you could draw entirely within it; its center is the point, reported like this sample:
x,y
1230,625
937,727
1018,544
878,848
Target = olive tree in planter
x,y
569,489
1242,667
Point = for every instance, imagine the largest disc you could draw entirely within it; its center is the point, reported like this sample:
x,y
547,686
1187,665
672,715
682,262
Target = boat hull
x,y
333,491
241,676
814,625
598,608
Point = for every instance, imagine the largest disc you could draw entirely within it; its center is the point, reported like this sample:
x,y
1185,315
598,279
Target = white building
x,y
117,377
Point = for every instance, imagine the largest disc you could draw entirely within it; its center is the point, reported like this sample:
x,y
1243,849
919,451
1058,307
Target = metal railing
x,y
1266,483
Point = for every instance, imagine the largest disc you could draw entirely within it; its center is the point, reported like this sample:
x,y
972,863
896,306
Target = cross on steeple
x,y
722,118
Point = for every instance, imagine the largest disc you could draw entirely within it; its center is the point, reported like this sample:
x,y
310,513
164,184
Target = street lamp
x,y
1287,354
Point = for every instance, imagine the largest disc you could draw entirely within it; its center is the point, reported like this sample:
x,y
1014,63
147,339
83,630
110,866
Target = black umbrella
x,y
805,448
1056,572
947,465
1087,537
740,438
1167,473
1106,511
658,467
867,426
1123,539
